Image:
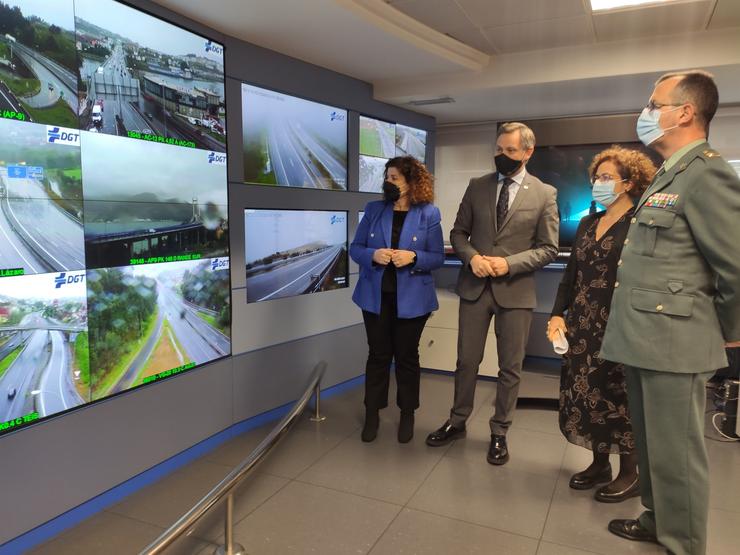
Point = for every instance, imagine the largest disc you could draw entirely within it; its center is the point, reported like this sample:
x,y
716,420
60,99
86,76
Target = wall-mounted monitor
x,y
144,78
38,62
114,268
411,142
294,252
292,142
174,204
379,142
566,169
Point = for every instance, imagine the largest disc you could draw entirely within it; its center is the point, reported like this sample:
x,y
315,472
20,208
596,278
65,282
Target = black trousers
x,y
390,337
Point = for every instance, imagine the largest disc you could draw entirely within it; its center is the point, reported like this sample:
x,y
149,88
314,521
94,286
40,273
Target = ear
x,y
688,113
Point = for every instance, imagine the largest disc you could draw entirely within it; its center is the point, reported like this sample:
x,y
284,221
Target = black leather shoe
x,y
631,530
606,495
498,452
445,435
585,480
406,427
370,430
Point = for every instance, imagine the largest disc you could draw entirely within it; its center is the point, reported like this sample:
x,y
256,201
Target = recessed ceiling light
x,y
431,101
604,5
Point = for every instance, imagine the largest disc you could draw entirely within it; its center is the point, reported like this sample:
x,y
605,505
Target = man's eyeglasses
x,y
658,105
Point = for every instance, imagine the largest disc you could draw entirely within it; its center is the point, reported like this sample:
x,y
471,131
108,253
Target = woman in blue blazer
x,y
397,245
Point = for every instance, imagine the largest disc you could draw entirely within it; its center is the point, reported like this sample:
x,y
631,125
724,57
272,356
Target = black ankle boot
x,y
406,426
372,421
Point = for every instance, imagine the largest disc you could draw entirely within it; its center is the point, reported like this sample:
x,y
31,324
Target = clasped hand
x,y
398,257
484,266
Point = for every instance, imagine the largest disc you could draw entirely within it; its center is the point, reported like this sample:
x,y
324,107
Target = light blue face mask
x,y
648,125
603,192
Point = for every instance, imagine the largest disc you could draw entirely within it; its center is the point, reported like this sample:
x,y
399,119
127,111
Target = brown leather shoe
x,y
631,530
585,480
606,495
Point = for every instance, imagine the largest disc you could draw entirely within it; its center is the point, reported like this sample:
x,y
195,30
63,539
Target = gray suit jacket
x,y
528,238
678,294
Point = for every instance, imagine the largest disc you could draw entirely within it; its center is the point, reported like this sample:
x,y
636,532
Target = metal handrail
x,y
225,488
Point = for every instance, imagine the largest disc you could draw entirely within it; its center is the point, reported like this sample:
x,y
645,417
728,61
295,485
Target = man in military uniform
x,y
676,305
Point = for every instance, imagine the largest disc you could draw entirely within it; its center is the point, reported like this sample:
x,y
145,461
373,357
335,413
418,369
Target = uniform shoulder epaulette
x,y
711,153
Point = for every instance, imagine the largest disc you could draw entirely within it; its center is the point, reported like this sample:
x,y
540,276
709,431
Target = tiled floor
x,y
324,491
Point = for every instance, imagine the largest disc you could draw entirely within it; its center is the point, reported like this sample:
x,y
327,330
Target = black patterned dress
x,y
593,396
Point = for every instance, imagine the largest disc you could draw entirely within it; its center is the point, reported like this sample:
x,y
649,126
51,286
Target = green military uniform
x,y
676,302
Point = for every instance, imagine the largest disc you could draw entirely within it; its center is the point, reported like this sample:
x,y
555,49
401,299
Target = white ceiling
x,y
496,58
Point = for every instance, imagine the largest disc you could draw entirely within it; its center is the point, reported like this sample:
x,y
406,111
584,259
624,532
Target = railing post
x,y
229,547
317,413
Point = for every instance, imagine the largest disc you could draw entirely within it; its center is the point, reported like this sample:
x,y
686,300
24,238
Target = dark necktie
x,y
502,207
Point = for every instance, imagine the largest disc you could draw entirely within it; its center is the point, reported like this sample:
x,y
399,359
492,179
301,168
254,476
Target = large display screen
x,y
292,142
294,252
566,169
379,142
114,259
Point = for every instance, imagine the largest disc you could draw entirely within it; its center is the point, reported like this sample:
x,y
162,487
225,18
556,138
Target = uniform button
x,y
651,222
616,284
633,221
659,308
626,241
620,262
372,235
413,239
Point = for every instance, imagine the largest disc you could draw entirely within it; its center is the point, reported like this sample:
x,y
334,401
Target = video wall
x,y
294,252
292,142
379,142
114,257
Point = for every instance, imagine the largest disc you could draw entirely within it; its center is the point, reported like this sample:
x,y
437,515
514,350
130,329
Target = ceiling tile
x,y
539,35
474,37
490,13
442,15
651,21
726,14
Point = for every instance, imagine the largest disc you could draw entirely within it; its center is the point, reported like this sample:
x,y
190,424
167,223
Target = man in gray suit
x,y
506,228
676,304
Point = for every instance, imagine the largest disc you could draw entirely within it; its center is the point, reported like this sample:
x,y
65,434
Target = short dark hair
x,y
696,87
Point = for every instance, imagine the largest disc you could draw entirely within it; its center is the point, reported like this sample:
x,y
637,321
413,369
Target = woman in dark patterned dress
x,y
593,396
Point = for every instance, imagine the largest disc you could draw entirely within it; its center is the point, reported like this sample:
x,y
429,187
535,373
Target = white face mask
x,y
648,125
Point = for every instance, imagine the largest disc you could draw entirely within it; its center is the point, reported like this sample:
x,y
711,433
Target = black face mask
x,y
391,192
506,165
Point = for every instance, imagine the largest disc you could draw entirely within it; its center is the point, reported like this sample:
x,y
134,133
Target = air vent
x,y
431,101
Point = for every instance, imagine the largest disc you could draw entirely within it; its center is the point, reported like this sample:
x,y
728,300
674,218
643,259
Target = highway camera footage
x,y
38,62
293,252
136,206
144,320
40,181
411,142
293,142
142,77
44,364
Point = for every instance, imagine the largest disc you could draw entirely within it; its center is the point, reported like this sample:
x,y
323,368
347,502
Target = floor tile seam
x,y
354,494
514,469
325,454
249,513
552,496
561,544
488,527
385,530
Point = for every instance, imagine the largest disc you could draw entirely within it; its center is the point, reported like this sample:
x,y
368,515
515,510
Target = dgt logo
x,y
336,116
64,279
219,264
213,47
217,158
62,135
337,220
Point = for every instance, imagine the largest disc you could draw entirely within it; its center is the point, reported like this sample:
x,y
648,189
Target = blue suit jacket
x,y
421,233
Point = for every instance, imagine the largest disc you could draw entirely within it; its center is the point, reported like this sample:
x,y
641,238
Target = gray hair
x,y
526,135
